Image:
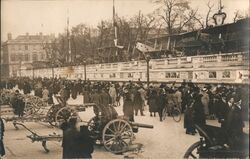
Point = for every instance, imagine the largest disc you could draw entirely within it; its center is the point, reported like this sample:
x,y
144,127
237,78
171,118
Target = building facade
x,y
23,51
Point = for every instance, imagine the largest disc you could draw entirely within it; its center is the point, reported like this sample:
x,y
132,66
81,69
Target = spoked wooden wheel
x,y
64,114
29,109
51,114
94,128
92,124
164,113
117,135
176,114
192,151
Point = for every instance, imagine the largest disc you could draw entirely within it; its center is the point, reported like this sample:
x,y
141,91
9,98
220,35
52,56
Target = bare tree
x,y
237,15
210,8
176,14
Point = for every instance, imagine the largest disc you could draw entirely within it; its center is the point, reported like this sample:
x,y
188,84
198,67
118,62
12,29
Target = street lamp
x,y
52,67
85,73
147,58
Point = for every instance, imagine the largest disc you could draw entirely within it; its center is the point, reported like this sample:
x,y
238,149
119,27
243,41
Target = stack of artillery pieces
x,y
114,132
36,109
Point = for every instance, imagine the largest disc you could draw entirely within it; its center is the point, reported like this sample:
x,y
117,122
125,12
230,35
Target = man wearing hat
x,y
234,126
2,150
76,143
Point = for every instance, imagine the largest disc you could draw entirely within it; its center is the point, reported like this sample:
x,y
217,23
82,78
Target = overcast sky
x,y
50,16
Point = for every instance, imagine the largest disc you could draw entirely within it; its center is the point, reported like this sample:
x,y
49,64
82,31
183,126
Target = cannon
x,y
116,133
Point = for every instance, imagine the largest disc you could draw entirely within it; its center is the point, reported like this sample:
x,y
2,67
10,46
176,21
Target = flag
x,y
144,48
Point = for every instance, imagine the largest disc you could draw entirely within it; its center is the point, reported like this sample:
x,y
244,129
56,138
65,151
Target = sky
x,y
50,16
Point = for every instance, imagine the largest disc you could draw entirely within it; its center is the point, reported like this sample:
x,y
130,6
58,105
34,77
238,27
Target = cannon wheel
x,y
63,114
91,124
52,113
29,109
192,151
117,135
176,114
164,113
92,127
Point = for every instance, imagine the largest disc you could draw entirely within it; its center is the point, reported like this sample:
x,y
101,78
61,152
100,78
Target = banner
x,y
144,48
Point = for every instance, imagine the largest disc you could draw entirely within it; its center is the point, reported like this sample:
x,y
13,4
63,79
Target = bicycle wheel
x,y
176,114
164,113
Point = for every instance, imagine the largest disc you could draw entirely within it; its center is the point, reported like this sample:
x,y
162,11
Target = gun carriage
x,y
116,133
36,109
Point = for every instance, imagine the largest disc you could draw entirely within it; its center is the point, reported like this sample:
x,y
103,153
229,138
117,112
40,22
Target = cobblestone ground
x,y
166,140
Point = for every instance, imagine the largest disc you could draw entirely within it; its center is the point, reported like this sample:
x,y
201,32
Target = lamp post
x,y
85,73
52,68
33,71
147,58
20,68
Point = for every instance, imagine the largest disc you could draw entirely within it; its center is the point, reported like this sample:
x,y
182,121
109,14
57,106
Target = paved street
x,y
166,140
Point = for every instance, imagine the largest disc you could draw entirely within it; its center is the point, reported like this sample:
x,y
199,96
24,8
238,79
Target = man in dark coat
x,y
104,98
74,90
152,101
222,110
26,88
162,101
2,150
199,114
76,144
138,103
17,103
234,126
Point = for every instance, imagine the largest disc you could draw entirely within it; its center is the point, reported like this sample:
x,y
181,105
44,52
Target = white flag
x,y
144,48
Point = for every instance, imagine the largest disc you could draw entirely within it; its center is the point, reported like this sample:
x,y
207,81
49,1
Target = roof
x,y
32,39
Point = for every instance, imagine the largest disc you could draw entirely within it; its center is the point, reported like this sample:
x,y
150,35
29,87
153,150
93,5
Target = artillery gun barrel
x,y
142,125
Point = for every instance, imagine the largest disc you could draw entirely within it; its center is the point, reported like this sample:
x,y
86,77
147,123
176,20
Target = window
x,y
172,75
212,74
12,47
19,47
12,57
42,56
26,57
226,74
130,75
26,47
34,57
112,75
121,75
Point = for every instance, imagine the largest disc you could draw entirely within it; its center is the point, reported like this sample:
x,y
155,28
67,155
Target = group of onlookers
x,y
197,102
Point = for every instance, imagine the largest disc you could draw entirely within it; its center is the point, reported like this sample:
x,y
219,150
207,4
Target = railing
x,y
210,59
189,62
229,57
172,61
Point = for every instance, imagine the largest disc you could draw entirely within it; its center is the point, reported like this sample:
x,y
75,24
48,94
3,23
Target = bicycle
x,y
175,112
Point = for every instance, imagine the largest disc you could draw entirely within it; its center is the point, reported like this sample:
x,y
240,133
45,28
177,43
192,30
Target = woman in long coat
x,y
205,101
152,101
86,95
74,90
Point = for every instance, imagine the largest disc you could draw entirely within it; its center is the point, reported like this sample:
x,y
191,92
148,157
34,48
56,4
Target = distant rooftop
x,y
31,38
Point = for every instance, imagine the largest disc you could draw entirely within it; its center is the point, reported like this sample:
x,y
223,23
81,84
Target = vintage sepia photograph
x,y
124,79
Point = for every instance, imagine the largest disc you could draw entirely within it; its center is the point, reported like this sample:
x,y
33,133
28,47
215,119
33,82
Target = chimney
x,y
9,36
27,34
41,34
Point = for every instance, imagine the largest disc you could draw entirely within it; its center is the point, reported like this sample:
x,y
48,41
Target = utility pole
x,y
68,37
147,58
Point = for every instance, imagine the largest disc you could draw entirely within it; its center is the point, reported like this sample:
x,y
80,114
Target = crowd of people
x,y
197,102
136,96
